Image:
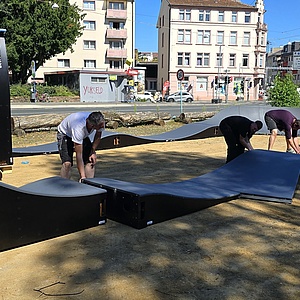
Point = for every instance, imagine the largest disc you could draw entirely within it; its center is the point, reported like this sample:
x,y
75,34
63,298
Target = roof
x,y
211,3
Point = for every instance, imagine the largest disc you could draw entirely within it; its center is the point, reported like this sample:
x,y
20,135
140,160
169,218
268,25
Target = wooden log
x,y
159,122
112,124
112,119
37,121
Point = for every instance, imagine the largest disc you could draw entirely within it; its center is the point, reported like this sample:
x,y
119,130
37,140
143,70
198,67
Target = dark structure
x,y
6,159
46,209
248,176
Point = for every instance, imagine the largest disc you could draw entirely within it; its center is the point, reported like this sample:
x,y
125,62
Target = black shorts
x,y
66,148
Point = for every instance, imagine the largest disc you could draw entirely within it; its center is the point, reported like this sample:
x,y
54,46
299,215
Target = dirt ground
x,y
243,249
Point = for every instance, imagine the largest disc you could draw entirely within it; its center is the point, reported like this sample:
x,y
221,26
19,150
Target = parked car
x,y
146,96
186,97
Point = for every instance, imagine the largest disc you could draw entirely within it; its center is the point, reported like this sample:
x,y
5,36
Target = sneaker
x,y
291,150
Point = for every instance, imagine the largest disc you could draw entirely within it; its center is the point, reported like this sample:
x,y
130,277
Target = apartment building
x,y
105,49
213,42
282,60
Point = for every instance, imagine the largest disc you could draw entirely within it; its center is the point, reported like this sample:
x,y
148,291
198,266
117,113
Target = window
x,y
206,60
221,16
183,59
219,59
232,59
188,15
207,15
202,59
262,39
233,38
247,17
89,25
204,15
98,79
185,14
116,45
201,15
88,63
184,36
180,35
116,25
116,5
246,41
63,63
220,37
203,37
89,44
261,61
234,17
162,39
201,84
90,5
245,60
199,59
115,64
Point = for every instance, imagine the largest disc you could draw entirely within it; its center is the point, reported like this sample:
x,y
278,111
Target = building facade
x,y
220,46
106,45
283,60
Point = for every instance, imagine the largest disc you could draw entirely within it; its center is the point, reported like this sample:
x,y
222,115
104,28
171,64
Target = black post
x,y
6,158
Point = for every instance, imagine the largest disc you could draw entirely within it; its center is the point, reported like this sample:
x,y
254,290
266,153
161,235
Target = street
x,y
23,109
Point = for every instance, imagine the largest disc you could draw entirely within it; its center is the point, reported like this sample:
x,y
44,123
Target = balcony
x,y
261,27
259,72
260,49
112,33
116,14
116,53
119,71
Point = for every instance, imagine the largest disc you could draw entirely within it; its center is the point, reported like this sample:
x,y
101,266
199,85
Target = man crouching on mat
x,y
237,131
73,135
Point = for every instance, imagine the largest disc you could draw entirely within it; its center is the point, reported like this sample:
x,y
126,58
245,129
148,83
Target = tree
x,y
284,92
36,31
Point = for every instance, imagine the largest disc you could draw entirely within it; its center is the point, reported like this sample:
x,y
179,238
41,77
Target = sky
x,y
282,19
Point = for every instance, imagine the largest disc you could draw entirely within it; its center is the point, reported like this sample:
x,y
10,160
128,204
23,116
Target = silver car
x,y
186,97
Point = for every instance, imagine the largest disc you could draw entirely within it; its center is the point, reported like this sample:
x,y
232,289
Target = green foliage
x,y
36,31
20,90
284,92
23,90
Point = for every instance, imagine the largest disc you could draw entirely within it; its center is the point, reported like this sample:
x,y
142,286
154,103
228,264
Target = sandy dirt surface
x,y
243,249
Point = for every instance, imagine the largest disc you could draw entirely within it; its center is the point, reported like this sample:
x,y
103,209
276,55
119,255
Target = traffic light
x,y
242,86
227,79
216,79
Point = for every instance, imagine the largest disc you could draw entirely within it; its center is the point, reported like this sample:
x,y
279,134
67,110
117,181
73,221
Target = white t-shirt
x,y
74,126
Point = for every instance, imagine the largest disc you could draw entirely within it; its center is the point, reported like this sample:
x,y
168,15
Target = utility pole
x,y
226,85
219,67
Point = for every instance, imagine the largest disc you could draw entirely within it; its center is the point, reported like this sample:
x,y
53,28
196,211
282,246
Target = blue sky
x,y
282,18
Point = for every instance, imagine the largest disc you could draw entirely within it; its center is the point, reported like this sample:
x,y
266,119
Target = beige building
x,y
212,41
107,42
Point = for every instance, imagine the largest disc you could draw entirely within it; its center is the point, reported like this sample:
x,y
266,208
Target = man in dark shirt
x,y
237,131
283,120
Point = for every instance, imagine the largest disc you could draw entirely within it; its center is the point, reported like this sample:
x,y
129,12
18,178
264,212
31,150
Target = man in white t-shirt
x,y
73,136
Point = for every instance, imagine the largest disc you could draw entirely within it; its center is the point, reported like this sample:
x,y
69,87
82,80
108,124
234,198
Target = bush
x,y
20,90
284,92
24,90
